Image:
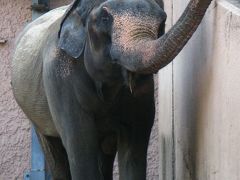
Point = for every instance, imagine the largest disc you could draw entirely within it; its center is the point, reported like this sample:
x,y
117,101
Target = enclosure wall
x,y
199,99
14,129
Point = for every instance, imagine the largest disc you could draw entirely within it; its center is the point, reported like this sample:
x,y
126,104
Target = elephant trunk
x,y
155,54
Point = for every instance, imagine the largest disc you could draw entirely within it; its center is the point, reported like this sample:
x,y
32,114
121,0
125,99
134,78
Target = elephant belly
x,y
29,93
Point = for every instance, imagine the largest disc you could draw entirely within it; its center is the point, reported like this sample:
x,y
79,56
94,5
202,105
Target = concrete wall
x,y
199,99
14,129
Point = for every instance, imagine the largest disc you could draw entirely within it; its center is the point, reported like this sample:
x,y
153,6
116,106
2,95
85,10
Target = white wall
x,y
199,99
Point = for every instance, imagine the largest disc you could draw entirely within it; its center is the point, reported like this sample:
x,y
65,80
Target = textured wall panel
x,y
14,129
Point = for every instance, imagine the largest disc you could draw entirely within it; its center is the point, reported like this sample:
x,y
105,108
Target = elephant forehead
x,y
130,28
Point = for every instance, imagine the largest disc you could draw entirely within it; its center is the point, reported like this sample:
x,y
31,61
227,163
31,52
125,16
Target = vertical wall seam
x,y
173,115
173,128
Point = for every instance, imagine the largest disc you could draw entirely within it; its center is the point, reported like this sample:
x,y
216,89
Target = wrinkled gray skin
x,y
83,76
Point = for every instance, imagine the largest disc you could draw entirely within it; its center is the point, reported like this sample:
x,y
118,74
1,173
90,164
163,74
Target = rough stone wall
x,y
14,128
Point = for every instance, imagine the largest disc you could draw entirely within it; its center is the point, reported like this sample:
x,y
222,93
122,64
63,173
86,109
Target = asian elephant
x,y
83,75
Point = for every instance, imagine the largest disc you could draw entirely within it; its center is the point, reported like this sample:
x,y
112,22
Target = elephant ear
x,y
160,3
162,26
72,33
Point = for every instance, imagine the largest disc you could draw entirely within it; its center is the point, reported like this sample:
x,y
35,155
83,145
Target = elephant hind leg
x,y
107,156
56,157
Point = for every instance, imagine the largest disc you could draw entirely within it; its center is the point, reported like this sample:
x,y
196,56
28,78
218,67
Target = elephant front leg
x,y
133,138
132,154
79,136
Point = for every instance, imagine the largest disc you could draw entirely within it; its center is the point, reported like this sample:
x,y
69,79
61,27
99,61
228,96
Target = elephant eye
x,y
105,19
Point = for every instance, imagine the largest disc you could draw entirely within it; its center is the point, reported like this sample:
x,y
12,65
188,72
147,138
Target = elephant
x,y
83,75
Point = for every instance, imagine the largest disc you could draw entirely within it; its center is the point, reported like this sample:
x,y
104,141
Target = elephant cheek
x,y
89,62
93,64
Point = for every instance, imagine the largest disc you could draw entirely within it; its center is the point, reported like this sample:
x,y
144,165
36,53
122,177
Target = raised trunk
x,y
153,55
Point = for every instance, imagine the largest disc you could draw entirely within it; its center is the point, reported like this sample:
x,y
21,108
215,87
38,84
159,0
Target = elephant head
x,y
127,33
